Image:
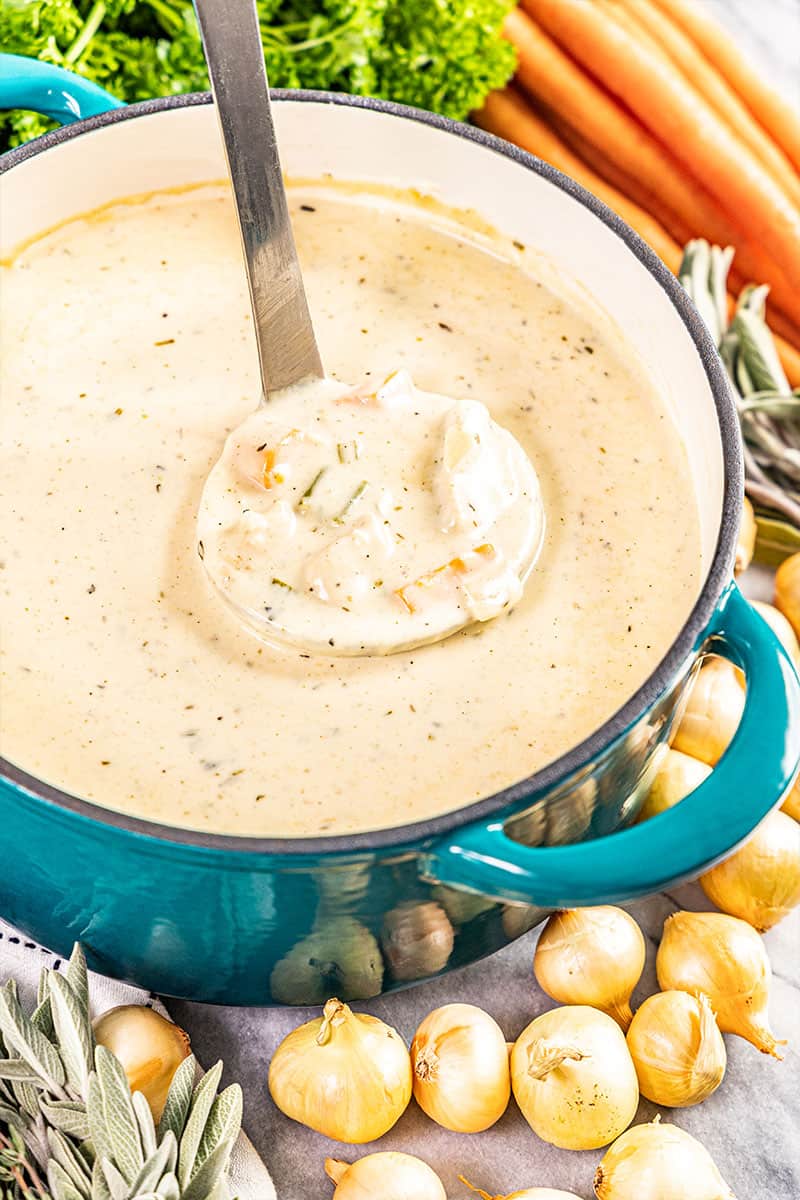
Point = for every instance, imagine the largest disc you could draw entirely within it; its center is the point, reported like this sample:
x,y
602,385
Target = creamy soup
x,y
368,520
128,358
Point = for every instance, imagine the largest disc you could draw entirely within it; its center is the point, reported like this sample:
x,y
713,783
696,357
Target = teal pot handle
x,y
40,87
749,780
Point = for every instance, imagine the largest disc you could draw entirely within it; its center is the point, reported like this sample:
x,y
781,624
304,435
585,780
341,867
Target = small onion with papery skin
x,y
573,1078
677,1049
746,543
386,1176
677,776
780,626
723,958
591,956
714,707
346,1075
535,1193
659,1162
787,590
791,801
460,1064
760,882
149,1048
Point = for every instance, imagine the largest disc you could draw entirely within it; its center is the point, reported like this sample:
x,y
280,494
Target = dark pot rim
x,y
517,795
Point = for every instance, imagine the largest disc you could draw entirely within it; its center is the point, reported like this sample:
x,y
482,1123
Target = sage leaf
x,y
117,1183
34,1134
100,1189
26,1096
74,1033
61,1185
42,1017
29,1042
161,1163
78,978
199,1110
118,1115
179,1097
222,1191
223,1124
207,1177
10,1117
43,987
169,1188
69,1116
144,1119
95,1113
67,1157
15,1068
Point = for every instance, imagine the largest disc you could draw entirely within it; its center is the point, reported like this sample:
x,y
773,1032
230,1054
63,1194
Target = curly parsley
x,y
444,55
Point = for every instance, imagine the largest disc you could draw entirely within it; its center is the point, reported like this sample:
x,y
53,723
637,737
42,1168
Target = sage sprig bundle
x,y
769,411
70,1129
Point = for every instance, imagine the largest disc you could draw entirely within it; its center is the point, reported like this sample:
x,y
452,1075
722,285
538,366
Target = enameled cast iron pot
x,y
210,917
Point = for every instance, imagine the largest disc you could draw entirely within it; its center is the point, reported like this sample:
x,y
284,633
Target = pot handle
x,y
678,844
43,88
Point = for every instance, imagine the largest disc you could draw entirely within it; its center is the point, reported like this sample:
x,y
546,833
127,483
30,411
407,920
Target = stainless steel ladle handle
x,y
287,348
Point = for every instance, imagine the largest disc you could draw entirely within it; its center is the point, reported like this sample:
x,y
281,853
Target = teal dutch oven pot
x,y
241,920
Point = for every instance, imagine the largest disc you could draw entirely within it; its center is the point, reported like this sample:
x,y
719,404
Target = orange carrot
x,y
701,75
659,97
507,114
625,183
779,322
767,106
455,567
789,356
548,73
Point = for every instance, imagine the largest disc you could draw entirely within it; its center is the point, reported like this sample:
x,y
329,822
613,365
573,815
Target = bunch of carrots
x,y
649,105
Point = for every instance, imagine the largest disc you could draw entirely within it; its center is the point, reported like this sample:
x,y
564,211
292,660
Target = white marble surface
x,y
751,1125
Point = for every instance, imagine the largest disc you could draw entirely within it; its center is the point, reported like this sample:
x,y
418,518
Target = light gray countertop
x,y
750,1125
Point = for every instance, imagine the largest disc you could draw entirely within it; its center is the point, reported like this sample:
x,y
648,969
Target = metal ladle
x,y
287,347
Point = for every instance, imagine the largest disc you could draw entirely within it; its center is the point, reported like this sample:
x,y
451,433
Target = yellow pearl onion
x,y
591,956
746,544
714,707
535,1193
781,627
760,882
659,1162
346,1075
677,1049
460,1064
677,776
787,590
148,1046
791,801
573,1078
386,1176
725,959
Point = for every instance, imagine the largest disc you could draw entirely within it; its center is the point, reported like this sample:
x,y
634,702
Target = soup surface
x,y
128,357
